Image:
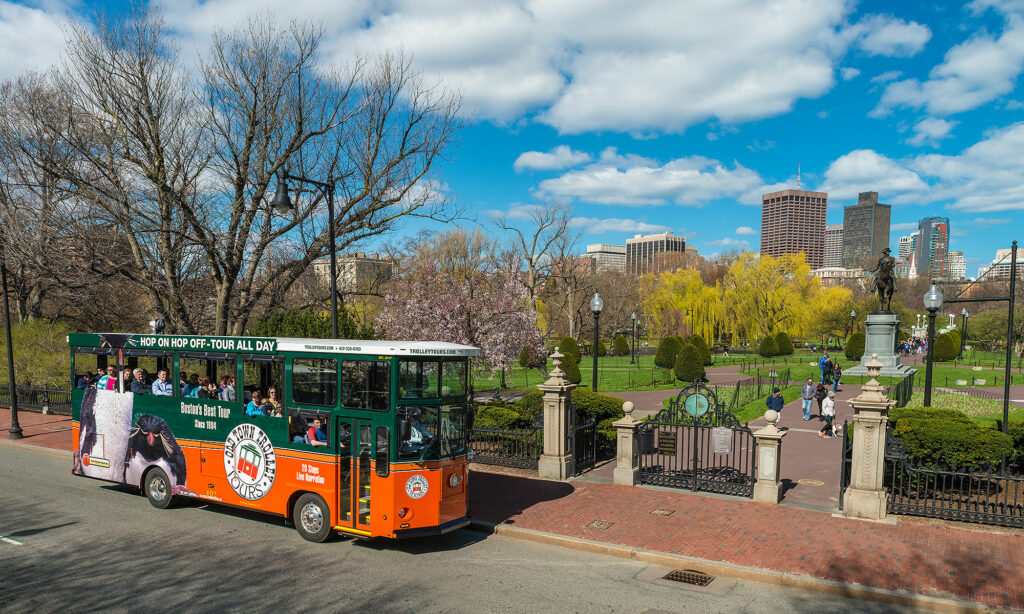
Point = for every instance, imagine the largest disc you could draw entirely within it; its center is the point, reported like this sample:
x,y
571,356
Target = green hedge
x,y
620,347
855,346
784,343
948,437
604,408
768,347
689,364
572,370
501,415
665,357
702,348
568,347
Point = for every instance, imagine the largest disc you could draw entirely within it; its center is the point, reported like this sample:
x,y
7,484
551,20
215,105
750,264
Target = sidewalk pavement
x,y
897,561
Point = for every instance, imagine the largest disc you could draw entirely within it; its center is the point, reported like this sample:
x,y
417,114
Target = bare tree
x,y
547,231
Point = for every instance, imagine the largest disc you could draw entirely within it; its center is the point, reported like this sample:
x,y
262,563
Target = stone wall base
x,y
766,491
868,504
556,467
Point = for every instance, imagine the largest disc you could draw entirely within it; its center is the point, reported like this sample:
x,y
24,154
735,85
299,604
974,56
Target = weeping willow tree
x,y
763,296
677,302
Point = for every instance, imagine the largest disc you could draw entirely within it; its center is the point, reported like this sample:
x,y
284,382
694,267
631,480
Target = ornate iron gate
x,y
697,445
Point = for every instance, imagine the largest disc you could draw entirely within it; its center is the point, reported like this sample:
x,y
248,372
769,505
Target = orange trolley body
x,y
368,438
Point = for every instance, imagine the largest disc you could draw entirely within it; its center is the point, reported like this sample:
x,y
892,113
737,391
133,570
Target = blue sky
x,y
667,115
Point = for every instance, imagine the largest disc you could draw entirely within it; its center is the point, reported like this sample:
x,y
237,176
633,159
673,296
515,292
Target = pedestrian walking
x,y
828,409
820,393
775,401
806,397
837,372
823,364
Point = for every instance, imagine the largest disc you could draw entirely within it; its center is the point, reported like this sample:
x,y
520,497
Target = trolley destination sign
x,y
252,345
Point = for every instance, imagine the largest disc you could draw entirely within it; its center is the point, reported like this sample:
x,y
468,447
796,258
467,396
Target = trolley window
x,y
315,381
453,378
366,384
418,379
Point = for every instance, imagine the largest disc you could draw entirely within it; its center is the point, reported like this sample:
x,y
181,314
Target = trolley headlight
x,y
453,480
402,512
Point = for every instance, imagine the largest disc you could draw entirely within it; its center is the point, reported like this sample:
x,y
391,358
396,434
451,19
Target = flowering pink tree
x,y
485,306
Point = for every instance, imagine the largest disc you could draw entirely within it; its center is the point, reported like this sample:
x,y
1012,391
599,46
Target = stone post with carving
x,y
557,462
627,463
768,488
865,497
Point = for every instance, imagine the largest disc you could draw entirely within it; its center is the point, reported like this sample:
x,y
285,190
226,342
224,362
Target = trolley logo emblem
x,y
249,461
416,486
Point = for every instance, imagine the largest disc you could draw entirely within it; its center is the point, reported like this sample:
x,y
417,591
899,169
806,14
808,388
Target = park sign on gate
x,y
249,345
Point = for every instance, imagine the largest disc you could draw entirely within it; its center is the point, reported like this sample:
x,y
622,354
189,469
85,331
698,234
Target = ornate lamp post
x,y
963,332
853,314
632,355
596,305
932,302
283,204
15,431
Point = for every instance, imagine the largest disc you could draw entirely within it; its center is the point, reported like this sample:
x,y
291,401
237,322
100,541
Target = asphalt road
x,y
89,546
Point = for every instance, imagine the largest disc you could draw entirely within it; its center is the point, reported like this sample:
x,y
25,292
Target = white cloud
x,y
602,226
903,226
889,36
864,169
974,72
730,242
885,77
636,181
745,230
30,38
930,130
848,74
558,158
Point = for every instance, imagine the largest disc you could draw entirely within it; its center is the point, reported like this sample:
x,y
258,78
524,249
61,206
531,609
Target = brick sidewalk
x,y
967,562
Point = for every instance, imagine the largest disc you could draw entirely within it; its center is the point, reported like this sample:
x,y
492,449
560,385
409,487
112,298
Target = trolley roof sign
x,y
262,345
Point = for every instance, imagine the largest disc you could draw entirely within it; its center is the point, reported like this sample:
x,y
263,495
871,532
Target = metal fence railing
x,y
584,438
756,387
50,400
902,391
507,447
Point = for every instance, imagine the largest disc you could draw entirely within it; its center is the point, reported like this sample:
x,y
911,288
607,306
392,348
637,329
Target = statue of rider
x,y
885,279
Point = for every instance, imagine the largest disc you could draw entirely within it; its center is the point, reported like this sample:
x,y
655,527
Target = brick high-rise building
x,y
834,245
642,249
793,221
865,231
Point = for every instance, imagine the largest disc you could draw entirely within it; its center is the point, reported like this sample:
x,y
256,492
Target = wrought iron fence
x,y
846,466
903,391
974,495
52,400
507,447
585,445
756,387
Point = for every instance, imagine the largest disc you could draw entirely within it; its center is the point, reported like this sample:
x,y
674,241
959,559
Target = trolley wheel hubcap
x,y
158,488
312,518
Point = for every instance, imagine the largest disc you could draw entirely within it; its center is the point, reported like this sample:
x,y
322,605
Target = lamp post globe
x,y
932,302
596,305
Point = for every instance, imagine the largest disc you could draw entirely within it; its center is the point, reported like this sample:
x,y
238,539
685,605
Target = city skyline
x,y
646,123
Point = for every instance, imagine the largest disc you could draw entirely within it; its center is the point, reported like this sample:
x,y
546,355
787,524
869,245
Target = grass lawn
x,y
982,411
942,375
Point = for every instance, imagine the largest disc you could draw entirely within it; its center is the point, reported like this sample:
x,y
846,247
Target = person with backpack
x,y
828,410
837,372
820,393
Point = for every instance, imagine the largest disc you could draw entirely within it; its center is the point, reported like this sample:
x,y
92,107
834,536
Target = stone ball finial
x,y
771,417
627,408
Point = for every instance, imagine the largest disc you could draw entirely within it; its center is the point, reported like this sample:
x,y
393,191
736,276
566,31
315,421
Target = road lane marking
x,y
10,541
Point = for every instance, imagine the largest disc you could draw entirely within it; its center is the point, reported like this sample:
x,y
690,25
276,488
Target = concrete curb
x,y
739,572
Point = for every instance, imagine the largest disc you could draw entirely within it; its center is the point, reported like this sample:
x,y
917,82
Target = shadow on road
x,y
498,498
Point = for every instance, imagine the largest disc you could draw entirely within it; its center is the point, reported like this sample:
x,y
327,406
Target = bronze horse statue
x,y
885,279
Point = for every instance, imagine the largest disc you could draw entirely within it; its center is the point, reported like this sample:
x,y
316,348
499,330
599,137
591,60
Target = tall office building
x,y
793,221
641,250
907,244
932,245
834,245
956,264
1000,266
906,261
607,257
865,231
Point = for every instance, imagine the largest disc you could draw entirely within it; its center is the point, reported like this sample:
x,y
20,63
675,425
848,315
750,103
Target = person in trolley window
x,y
109,380
317,437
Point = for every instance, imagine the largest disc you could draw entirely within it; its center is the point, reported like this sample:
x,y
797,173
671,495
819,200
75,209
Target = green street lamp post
x,y
632,353
596,305
932,302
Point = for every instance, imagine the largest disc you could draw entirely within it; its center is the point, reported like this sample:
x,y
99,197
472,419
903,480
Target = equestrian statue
x,y
885,279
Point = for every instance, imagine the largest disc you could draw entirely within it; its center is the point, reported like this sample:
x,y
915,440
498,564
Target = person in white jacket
x,y
828,410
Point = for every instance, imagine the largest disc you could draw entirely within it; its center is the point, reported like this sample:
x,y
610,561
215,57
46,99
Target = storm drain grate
x,y
690,576
600,524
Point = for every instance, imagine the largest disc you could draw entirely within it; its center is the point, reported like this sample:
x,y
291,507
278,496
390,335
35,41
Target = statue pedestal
x,y
881,340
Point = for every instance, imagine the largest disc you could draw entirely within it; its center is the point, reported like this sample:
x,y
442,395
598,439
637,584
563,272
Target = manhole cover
x,y
690,576
600,524
663,512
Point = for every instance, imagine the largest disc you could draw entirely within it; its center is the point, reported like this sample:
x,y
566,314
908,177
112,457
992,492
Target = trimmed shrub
x,y
569,347
602,348
501,415
784,343
947,437
702,348
533,402
1016,432
689,364
620,347
768,347
665,357
572,370
947,346
855,346
604,408
897,414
